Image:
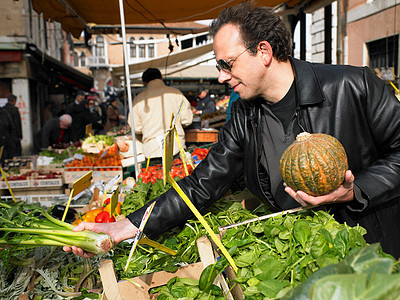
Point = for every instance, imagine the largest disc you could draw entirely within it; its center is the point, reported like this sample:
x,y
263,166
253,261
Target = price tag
x,y
88,128
67,160
177,114
168,156
114,201
78,156
82,183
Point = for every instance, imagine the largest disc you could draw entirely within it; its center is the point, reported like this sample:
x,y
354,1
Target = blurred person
x,y
63,109
16,118
114,116
83,117
205,105
8,135
46,113
56,131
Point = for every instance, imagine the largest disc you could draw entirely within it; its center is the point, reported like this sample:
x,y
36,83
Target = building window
x,y
99,46
142,48
132,47
76,60
151,48
383,53
83,59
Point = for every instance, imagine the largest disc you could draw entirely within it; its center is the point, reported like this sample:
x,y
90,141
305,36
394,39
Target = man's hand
x,y
343,193
118,231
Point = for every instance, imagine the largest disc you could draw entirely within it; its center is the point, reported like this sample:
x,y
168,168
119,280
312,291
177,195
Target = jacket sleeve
x,y
380,181
209,181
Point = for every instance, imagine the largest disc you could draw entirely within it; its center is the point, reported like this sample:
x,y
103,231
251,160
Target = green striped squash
x,y
314,163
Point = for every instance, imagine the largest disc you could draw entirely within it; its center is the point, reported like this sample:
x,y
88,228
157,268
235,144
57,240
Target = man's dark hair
x,y
80,93
256,24
11,97
150,74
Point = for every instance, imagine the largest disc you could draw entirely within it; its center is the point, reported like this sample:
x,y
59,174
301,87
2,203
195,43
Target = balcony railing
x,y
97,62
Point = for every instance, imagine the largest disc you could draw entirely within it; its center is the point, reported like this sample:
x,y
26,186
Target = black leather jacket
x,y
347,102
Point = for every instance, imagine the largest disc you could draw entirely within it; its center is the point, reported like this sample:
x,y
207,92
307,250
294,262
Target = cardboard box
x,y
141,285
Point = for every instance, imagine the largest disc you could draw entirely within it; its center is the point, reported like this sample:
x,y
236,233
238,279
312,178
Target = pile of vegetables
x,y
276,255
107,140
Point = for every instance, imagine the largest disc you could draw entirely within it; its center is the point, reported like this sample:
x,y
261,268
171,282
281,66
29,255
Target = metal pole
x,y
128,85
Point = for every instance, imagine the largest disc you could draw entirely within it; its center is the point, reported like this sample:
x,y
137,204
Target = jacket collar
x,y
308,86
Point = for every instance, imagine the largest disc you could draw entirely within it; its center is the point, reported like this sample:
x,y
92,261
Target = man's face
x,y
79,98
64,125
247,70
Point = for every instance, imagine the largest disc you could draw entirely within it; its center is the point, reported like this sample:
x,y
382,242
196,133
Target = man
x,y
16,118
205,105
56,131
152,111
73,109
83,117
8,135
280,97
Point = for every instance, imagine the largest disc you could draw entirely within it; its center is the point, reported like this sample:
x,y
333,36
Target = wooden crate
x,y
201,136
70,176
106,173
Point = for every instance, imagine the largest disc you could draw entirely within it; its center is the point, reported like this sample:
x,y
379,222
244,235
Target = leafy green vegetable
x,y
28,225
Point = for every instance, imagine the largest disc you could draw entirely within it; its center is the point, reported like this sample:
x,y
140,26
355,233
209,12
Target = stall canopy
x,y
75,15
162,61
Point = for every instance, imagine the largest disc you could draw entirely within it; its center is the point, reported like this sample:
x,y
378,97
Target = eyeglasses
x,y
223,65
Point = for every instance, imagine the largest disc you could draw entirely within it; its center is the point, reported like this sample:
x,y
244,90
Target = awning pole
x,y
128,85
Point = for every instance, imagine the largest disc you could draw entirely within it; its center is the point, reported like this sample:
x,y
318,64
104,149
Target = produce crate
x,y
15,184
201,136
214,122
106,173
141,285
71,175
53,182
51,167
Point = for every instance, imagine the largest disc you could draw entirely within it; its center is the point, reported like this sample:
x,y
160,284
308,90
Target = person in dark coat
x,y
8,135
83,117
205,105
16,118
56,131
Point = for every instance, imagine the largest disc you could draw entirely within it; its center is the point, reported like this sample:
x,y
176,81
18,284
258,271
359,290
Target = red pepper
x,y
104,217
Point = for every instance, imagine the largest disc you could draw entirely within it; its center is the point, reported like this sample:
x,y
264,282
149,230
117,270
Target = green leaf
x,y
270,288
302,232
246,259
271,268
341,242
357,287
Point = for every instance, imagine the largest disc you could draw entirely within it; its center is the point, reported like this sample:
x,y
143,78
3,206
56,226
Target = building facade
x,y
35,65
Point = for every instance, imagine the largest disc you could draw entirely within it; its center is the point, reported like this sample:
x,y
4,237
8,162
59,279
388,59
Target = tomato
x,y
104,217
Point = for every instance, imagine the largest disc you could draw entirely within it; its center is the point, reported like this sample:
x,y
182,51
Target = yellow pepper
x,y
90,216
